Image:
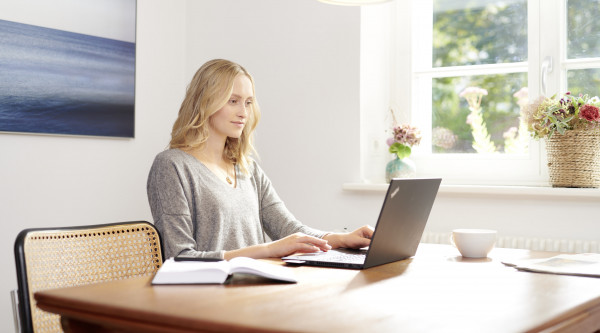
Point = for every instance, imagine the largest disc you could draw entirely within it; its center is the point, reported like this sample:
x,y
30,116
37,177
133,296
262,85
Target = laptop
x,y
398,231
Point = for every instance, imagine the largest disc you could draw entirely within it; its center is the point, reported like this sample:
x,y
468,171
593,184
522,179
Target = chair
x,y
49,258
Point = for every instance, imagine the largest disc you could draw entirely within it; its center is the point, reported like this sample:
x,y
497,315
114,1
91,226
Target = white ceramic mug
x,y
473,243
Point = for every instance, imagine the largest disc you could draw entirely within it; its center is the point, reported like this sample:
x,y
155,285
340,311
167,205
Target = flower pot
x,y
400,168
574,159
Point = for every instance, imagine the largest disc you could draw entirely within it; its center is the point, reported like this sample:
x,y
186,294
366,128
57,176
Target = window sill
x,y
481,190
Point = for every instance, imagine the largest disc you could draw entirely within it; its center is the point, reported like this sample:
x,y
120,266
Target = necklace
x,y
223,174
229,181
216,167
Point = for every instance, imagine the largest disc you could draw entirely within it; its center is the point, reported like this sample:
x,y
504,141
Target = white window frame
x,y
389,73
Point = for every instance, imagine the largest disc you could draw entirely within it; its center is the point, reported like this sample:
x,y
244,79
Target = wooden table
x,y
436,291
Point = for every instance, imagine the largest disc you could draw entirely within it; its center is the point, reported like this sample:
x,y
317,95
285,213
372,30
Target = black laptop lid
x,y
402,220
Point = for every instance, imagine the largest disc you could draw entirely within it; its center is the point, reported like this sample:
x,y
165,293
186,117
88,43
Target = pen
x,y
184,258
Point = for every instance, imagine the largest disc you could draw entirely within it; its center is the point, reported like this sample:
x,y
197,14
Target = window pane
x,y
479,114
584,81
479,32
583,29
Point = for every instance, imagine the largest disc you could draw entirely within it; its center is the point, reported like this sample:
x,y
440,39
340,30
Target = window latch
x,y
546,69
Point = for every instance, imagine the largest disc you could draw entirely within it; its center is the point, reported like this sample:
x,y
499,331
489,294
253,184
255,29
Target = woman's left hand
x,y
356,239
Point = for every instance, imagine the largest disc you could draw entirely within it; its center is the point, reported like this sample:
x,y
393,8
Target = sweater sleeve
x,y
277,220
171,203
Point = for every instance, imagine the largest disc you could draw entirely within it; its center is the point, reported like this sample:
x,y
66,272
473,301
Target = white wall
x,y
304,56
61,181
305,59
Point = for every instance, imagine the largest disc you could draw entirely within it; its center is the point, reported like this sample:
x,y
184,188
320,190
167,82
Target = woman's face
x,y
230,120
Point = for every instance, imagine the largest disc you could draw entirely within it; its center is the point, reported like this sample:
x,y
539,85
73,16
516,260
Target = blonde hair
x,y
210,89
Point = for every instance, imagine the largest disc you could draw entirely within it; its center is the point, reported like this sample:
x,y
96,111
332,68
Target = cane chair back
x,y
72,256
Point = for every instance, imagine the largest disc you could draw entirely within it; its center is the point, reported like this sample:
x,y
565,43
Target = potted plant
x,y
404,137
570,125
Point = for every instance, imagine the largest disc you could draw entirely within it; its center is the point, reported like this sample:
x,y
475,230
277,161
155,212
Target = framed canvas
x,y
69,69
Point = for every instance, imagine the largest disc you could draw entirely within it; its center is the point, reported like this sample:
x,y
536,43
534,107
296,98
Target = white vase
x,y
400,168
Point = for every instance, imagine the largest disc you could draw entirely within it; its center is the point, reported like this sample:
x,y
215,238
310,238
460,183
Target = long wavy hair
x,y
210,89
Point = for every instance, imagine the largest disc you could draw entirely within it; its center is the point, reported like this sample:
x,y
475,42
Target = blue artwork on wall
x,y
60,82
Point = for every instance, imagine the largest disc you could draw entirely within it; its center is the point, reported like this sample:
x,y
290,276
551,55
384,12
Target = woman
x,y
208,197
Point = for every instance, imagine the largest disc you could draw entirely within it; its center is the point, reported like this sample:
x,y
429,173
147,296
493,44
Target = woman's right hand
x,y
297,242
291,244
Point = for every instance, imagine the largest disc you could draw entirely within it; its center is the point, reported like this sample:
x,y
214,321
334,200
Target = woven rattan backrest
x,y
63,257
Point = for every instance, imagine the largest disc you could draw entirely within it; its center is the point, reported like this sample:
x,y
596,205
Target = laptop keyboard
x,y
332,258
352,258
358,258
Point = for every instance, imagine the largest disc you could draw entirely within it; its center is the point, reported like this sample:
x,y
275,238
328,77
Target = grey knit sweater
x,y
198,214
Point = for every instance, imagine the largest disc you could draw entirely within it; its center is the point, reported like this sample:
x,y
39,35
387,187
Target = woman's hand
x,y
291,244
356,239
297,242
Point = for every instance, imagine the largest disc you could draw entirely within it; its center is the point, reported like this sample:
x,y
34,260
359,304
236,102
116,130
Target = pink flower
x,y
473,95
407,135
469,119
522,97
589,112
473,91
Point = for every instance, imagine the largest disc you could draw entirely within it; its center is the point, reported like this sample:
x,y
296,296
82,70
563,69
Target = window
x,y
583,46
471,67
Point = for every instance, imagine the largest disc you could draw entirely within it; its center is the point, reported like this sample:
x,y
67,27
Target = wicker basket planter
x,y
574,159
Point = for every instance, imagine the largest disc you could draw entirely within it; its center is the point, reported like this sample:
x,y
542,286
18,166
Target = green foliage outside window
x,y
479,32
583,41
474,33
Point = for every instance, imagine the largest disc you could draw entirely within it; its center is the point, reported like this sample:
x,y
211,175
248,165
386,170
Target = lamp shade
x,y
353,2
